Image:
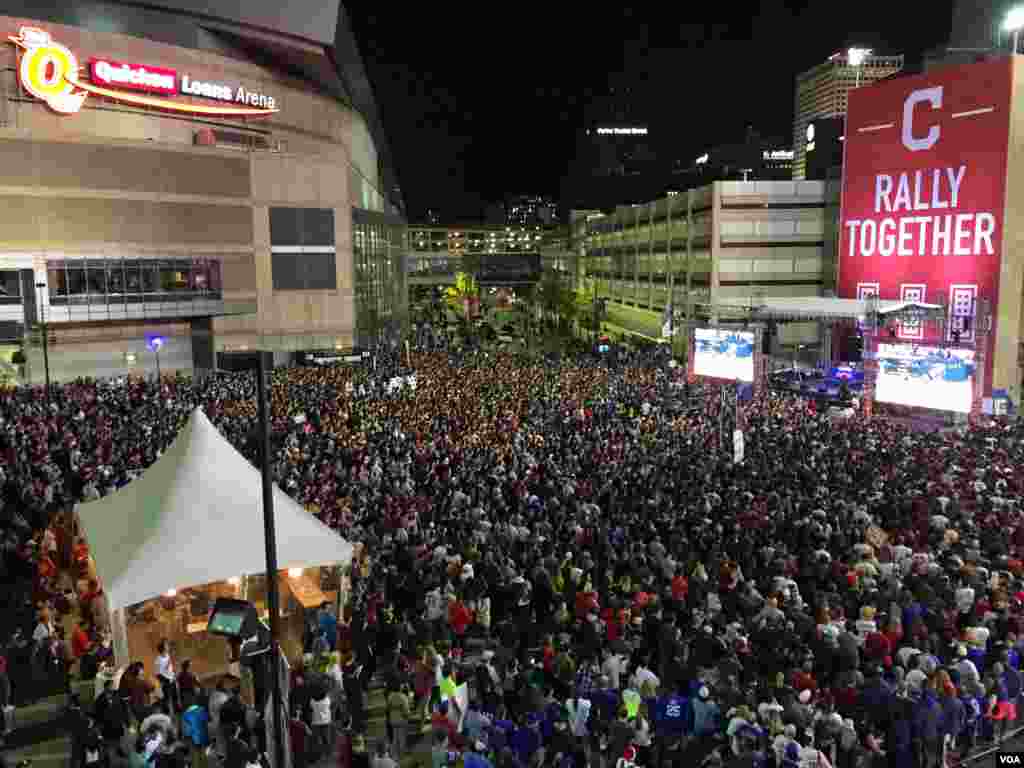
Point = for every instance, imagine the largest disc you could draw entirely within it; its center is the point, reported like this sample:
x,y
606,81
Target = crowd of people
x,y
849,594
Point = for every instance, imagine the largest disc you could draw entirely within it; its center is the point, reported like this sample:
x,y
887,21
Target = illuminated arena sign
x,y
133,77
50,72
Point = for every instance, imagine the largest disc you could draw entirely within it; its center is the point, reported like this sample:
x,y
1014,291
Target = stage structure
x,y
958,361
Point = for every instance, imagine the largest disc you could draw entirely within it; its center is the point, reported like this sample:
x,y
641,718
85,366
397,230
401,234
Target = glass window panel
x,y
115,276
174,276
132,276
77,285
10,283
96,277
213,275
150,272
56,278
199,281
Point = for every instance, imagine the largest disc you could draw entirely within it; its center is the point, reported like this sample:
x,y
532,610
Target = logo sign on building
x,y
923,191
223,92
133,77
50,72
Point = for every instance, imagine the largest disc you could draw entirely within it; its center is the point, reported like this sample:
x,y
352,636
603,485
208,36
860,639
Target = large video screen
x,y
925,377
724,354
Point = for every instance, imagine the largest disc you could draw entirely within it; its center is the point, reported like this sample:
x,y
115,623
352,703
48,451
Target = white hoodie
x,y
435,605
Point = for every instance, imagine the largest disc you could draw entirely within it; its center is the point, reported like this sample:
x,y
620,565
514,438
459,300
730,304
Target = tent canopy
x,y
196,517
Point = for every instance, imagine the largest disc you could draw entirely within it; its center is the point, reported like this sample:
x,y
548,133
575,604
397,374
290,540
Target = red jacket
x,y
459,616
79,643
877,646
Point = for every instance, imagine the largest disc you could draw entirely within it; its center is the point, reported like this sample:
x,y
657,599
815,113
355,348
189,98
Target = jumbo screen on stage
x,y
724,354
925,377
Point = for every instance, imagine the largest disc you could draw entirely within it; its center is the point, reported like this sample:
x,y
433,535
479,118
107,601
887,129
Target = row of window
x,y
376,252
113,276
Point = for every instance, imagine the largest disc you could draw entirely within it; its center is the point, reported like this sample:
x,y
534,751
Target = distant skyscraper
x,y
531,211
821,93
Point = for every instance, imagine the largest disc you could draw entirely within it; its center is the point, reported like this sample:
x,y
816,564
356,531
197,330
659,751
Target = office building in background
x,y
821,93
754,158
729,242
531,211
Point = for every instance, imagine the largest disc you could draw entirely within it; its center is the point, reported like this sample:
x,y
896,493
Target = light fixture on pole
x,y
270,545
1013,23
155,344
46,333
855,58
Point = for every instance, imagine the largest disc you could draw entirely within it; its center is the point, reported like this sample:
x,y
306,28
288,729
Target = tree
x,y
472,263
369,324
587,301
557,300
465,288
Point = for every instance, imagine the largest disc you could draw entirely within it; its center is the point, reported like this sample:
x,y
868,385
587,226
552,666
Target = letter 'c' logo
x,y
932,96
49,71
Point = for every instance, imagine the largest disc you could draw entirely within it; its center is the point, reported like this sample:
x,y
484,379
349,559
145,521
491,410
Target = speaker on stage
x,y
854,349
766,337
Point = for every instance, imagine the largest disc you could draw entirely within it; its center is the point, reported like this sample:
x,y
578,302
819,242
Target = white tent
x,y
196,517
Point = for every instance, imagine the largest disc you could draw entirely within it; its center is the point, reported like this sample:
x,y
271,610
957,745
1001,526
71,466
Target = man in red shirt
x,y
459,617
81,644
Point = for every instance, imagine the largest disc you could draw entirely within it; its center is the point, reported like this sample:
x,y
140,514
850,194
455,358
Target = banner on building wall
x,y
924,183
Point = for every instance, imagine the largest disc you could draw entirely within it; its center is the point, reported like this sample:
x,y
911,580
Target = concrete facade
x,y
115,188
726,241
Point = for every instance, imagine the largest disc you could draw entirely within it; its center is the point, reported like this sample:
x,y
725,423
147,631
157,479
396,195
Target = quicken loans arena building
x,y
185,183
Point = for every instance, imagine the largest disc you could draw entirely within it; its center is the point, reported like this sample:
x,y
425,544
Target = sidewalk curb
x,y
993,749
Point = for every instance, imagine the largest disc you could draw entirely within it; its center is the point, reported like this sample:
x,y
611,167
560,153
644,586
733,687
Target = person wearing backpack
x,y
972,718
320,705
112,714
195,728
94,753
953,715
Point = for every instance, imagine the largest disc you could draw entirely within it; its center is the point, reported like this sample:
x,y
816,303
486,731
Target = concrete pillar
x,y
119,637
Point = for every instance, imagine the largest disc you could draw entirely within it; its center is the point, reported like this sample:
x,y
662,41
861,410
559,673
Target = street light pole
x,y
46,347
270,542
155,344
855,58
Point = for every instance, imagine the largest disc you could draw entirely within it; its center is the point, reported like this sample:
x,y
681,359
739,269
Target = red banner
x,y
923,192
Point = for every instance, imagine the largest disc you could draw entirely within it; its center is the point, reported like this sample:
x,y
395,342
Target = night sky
x,y
483,101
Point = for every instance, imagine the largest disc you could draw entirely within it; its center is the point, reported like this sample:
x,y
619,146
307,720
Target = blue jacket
x,y
474,760
953,715
928,717
876,700
1012,680
670,714
977,655
196,725
524,743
